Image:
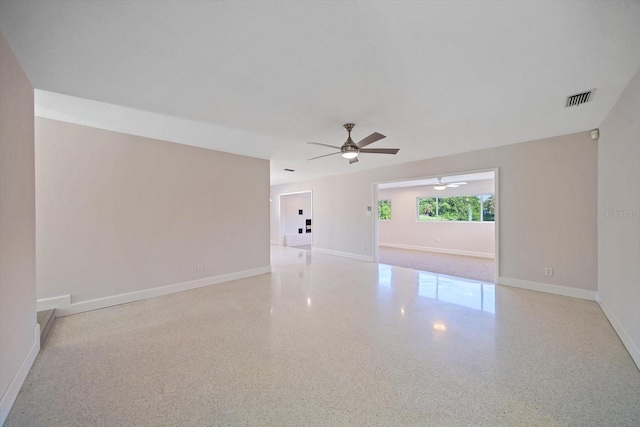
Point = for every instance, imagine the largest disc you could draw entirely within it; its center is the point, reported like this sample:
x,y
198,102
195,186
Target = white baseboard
x,y
10,395
632,347
297,239
551,289
98,303
275,242
343,254
53,302
440,250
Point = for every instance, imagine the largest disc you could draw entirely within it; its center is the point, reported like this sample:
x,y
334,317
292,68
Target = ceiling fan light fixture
x,y
440,187
350,150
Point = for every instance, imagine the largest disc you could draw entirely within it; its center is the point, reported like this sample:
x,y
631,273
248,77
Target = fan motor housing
x,y
349,147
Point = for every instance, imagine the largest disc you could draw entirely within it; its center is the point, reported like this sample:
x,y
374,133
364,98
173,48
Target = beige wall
x,y
118,213
619,217
17,221
548,212
471,238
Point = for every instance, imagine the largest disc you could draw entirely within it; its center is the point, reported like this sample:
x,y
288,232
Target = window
x,y
427,209
458,208
461,208
384,209
488,207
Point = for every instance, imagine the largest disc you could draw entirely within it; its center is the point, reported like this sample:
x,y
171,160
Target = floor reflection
x,y
453,290
384,275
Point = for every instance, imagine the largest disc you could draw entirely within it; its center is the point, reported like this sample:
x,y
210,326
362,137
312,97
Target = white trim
x,y
98,303
295,192
632,348
375,231
298,239
548,288
343,254
497,220
275,242
439,250
53,302
10,395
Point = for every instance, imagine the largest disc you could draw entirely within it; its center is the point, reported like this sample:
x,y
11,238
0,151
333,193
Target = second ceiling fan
x,y
442,186
350,149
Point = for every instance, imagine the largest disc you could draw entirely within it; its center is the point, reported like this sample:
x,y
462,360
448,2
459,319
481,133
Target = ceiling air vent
x,y
580,98
289,170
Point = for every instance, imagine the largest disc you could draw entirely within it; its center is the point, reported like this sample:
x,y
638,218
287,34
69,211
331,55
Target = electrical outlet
x,y
548,271
199,268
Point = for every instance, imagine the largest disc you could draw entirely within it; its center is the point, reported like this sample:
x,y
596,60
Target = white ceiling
x,y
436,78
469,177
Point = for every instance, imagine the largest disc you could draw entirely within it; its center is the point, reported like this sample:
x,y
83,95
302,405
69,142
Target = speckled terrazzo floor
x,y
330,341
469,267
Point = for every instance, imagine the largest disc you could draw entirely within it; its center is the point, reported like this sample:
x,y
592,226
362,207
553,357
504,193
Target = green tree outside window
x,y
384,209
428,209
457,208
488,208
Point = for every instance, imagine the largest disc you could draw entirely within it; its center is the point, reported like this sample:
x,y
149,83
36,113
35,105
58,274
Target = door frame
x,y
497,219
281,223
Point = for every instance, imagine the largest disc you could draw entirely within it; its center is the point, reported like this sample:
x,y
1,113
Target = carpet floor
x,y
468,267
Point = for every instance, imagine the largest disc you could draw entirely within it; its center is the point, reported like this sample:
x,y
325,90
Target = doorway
x,y
296,219
447,224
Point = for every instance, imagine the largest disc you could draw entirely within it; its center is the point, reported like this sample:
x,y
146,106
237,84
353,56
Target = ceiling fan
x,y
350,149
441,186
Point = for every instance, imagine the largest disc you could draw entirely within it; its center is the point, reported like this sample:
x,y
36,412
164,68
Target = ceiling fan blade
x,y
331,154
380,150
456,184
355,159
370,139
324,145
